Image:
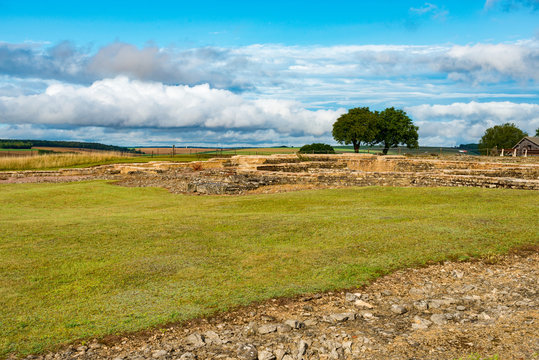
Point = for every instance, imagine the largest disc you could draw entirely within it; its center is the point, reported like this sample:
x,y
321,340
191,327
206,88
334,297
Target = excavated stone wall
x,y
241,174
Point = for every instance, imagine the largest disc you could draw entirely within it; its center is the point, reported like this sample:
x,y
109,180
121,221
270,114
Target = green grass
x,y
10,150
89,259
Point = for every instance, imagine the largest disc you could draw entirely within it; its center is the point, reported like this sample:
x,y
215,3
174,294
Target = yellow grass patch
x,y
49,161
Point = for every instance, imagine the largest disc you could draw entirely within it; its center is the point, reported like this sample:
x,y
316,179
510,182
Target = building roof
x,y
533,139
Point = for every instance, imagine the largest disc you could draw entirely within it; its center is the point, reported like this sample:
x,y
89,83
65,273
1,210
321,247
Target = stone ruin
x,y
245,173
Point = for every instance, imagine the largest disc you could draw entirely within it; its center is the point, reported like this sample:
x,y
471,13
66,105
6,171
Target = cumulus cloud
x,y
153,93
66,62
62,62
131,104
467,122
492,62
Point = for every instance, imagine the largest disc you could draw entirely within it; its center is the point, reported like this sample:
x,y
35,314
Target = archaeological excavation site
x,y
243,174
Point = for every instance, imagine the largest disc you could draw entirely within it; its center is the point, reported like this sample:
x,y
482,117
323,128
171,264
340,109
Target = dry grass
x,y
51,161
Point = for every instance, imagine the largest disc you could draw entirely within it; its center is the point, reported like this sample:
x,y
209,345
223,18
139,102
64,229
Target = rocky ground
x,y
445,311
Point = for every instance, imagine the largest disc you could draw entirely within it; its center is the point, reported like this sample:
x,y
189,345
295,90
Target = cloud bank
x,y
121,103
467,122
245,67
261,94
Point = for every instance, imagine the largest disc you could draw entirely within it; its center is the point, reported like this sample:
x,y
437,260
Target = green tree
x,y
501,137
355,127
317,148
394,127
537,132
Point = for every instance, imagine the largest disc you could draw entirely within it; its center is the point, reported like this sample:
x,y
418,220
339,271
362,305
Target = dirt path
x,y
445,311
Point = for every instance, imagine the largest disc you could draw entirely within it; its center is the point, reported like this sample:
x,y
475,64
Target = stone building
x,y
528,145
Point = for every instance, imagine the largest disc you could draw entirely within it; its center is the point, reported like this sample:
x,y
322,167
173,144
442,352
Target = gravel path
x,y
445,311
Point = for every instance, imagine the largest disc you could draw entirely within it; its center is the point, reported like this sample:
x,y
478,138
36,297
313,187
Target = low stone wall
x,y
241,174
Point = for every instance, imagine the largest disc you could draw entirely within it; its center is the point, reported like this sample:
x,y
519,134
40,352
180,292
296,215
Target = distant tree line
x,y
28,144
14,144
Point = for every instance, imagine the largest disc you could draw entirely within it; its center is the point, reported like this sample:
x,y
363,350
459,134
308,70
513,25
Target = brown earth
x,y
177,151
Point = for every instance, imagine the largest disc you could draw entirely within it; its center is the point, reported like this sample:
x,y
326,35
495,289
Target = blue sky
x,y
252,73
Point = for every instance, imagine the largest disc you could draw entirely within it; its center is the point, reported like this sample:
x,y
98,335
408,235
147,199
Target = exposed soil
x,y
443,311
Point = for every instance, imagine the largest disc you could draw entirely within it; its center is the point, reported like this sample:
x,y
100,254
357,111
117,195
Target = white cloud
x,y
62,88
467,122
492,63
131,104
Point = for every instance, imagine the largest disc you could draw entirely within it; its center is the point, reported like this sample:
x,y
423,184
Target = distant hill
x,y
27,144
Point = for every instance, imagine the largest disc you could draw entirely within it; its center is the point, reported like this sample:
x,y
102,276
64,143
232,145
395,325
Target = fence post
x,y
173,150
525,153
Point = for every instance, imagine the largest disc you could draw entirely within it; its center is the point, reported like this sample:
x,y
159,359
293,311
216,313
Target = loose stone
x,y
295,324
266,329
159,354
247,352
342,317
302,347
419,323
195,340
363,304
266,355
398,309
438,319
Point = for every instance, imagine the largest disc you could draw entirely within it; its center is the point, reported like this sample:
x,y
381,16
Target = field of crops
x,y
176,150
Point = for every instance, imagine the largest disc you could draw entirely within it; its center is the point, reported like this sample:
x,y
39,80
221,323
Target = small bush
x,y
317,148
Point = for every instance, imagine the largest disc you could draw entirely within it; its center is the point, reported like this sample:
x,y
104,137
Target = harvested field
x,y
17,152
48,161
260,151
168,150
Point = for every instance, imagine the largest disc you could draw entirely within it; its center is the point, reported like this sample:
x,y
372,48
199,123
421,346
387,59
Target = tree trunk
x,y
386,148
356,146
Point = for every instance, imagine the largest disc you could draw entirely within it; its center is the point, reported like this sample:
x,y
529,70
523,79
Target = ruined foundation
x,y
241,174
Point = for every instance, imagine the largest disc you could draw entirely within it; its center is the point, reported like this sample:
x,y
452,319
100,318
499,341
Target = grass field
x,y
89,259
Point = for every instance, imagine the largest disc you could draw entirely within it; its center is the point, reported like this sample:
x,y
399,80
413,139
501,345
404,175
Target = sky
x,y
247,73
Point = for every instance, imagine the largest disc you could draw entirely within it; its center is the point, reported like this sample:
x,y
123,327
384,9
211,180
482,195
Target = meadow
x,y
91,258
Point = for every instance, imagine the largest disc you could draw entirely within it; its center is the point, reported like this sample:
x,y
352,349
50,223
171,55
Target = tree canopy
x,y
394,128
317,148
390,128
537,132
501,136
355,127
